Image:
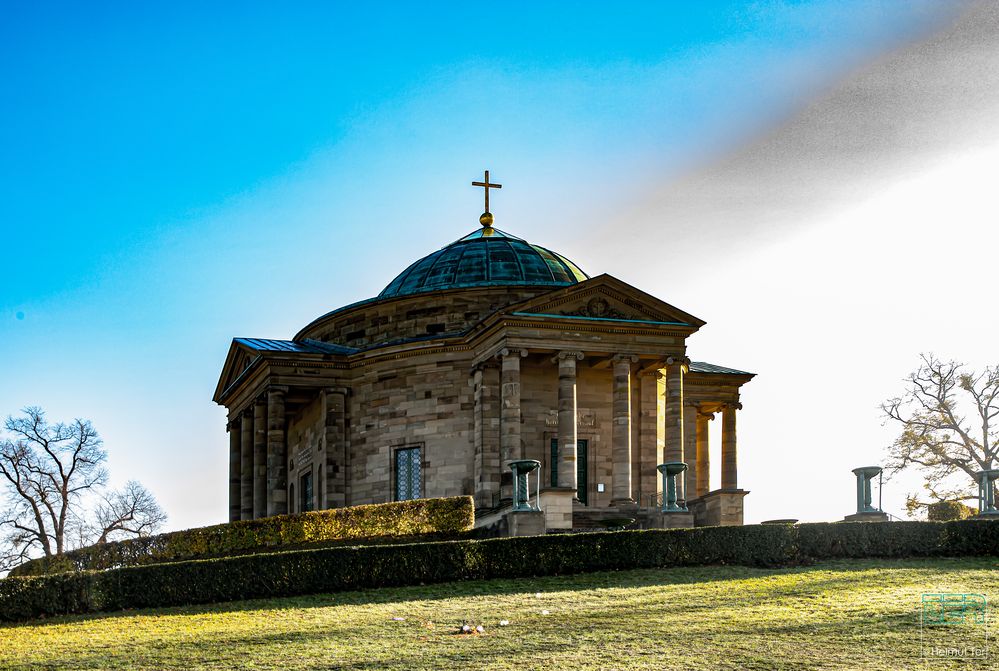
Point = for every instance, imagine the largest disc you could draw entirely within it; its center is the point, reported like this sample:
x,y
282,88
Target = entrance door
x,y
581,467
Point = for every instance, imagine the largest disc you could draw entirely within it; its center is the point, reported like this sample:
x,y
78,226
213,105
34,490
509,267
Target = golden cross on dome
x,y
487,219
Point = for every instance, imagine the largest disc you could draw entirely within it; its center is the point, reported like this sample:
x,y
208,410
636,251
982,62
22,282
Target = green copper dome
x,y
486,257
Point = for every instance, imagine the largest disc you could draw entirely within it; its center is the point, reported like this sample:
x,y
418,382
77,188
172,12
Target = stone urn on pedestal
x,y
866,512
987,494
674,515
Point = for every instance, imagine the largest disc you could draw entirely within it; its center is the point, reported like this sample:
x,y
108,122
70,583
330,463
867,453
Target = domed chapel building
x,y
488,350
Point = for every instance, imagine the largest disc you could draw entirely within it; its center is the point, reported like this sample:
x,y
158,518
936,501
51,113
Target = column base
x,y
720,508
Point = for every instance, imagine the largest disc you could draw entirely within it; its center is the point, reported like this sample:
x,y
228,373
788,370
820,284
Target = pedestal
x,y
721,507
876,516
556,504
671,520
526,523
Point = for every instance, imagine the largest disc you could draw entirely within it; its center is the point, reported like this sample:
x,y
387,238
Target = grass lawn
x,y
835,615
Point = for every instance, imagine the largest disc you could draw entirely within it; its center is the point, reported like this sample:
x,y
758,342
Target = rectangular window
x,y
407,473
305,488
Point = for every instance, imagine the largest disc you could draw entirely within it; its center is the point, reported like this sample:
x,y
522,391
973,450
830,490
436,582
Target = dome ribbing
x,y
486,257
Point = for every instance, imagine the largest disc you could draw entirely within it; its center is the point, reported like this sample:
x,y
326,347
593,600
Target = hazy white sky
x,y
828,253
814,179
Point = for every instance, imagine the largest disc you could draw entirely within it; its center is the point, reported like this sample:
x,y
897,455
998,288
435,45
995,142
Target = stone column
x,y
277,453
690,411
235,472
567,435
703,454
336,447
246,465
650,433
259,458
621,432
510,449
673,414
729,475
486,439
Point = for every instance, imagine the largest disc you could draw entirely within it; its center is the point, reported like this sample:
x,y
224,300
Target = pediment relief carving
x,y
600,307
608,298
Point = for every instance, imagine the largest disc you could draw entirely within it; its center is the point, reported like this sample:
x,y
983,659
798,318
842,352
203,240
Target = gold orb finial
x,y
487,218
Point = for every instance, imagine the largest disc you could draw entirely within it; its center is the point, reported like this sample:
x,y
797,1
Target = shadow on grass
x,y
855,638
849,574
610,630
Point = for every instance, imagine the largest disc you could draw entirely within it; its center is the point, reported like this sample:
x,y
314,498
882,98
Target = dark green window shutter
x,y
407,473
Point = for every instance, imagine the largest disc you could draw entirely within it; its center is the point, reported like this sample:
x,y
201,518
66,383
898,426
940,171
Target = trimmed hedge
x,y
439,517
361,567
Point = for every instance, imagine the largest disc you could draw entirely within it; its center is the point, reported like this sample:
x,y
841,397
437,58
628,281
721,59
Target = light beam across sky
x,y
799,174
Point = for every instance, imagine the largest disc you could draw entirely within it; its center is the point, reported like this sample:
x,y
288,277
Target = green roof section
x,y
485,257
710,368
305,346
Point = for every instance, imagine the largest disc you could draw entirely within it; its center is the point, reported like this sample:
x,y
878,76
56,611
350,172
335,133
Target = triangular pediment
x,y
237,361
606,297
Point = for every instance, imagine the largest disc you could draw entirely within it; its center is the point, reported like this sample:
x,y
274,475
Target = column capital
x,y
567,354
277,389
625,358
677,360
733,405
506,351
485,365
707,416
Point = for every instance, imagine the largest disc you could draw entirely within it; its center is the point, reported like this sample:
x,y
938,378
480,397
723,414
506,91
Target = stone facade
x,y
591,379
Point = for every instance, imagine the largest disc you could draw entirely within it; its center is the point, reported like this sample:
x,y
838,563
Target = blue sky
x,y
176,175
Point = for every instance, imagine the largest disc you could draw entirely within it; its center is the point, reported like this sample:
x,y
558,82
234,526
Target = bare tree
x,y
130,511
56,490
948,431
